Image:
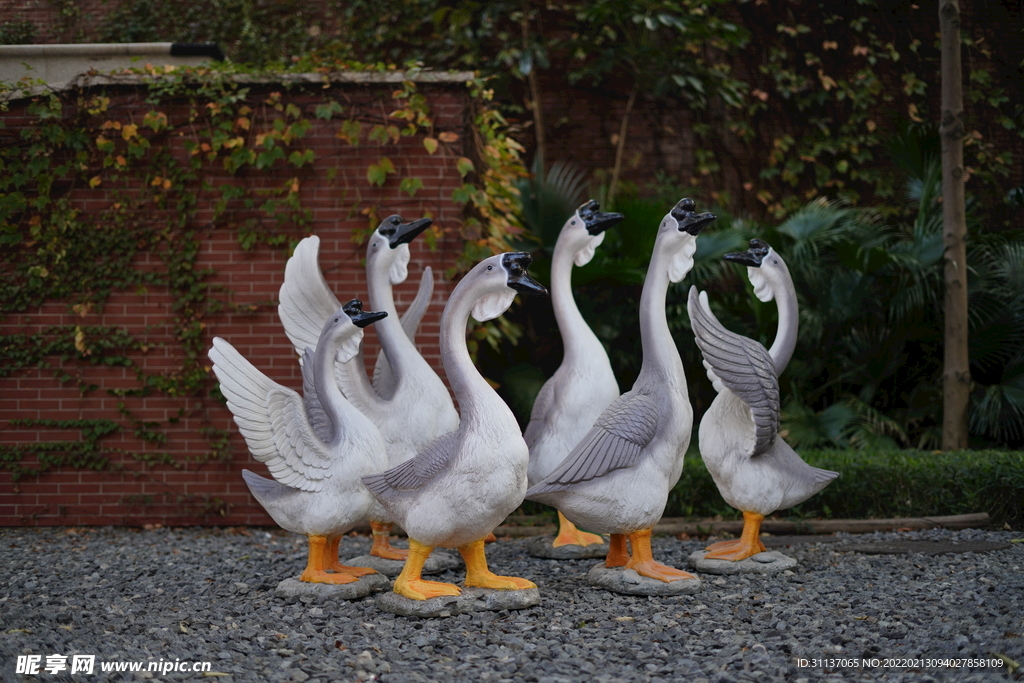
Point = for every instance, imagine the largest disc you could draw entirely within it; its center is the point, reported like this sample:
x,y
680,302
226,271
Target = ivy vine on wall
x,y
170,155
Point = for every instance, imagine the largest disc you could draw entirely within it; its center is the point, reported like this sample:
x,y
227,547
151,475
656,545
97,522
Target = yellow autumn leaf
x,y
120,160
243,122
234,142
156,182
80,340
430,144
129,131
167,183
448,136
94,181
294,187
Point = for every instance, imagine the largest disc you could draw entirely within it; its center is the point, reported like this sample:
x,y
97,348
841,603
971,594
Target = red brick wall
x,y
197,489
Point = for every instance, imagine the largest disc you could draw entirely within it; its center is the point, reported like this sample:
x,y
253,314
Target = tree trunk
x,y
620,148
536,106
956,374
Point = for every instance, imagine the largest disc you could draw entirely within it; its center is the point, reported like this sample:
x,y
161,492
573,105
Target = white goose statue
x,y
617,479
317,447
459,487
584,384
410,404
755,470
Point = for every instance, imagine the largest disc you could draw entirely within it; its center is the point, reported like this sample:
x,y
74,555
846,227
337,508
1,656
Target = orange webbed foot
x,y
657,570
420,589
322,576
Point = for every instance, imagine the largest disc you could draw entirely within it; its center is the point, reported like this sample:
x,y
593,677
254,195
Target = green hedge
x,y
884,484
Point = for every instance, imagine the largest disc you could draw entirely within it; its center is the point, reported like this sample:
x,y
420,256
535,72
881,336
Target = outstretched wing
x,y
616,441
741,365
415,473
383,378
273,421
305,299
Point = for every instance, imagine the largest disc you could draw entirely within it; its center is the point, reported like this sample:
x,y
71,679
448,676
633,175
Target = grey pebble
x,y
174,594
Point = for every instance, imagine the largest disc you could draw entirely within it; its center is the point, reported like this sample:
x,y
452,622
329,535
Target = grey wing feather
x,y
305,299
273,421
616,441
415,473
383,378
741,365
538,414
318,419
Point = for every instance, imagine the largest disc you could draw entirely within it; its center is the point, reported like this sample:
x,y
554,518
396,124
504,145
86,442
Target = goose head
x,y
497,280
344,329
584,231
388,248
677,236
765,268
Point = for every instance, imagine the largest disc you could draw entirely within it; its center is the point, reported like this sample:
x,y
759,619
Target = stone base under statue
x,y
767,562
437,562
371,583
540,546
471,600
627,581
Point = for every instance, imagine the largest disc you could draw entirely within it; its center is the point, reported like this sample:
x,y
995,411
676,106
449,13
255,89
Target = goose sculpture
x,y
584,384
410,404
317,447
618,477
755,470
460,486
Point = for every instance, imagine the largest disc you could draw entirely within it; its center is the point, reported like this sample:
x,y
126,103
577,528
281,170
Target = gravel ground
x,y
207,595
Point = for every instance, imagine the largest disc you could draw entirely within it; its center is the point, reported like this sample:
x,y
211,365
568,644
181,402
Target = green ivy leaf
x,y
300,159
327,111
464,165
411,186
377,173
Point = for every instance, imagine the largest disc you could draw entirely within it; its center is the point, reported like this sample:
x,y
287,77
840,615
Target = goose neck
x,y
577,337
660,355
395,342
473,393
785,337
328,393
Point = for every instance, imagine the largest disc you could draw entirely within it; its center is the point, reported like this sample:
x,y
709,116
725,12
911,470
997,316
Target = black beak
x,y
752,257
595,220
354,310
689,221
515,264
407,232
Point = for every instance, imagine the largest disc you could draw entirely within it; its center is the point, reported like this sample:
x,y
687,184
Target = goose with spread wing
x,y
317,447
755,470
617,479
408,402
460,486
584,384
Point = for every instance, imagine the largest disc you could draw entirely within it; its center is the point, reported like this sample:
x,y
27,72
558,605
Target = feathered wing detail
x,y
415,473
741,365
384,381
538,415
318,420
305,299
616,441
273,421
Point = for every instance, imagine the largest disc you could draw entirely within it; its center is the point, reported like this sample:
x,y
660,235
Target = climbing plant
x,y
179,156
